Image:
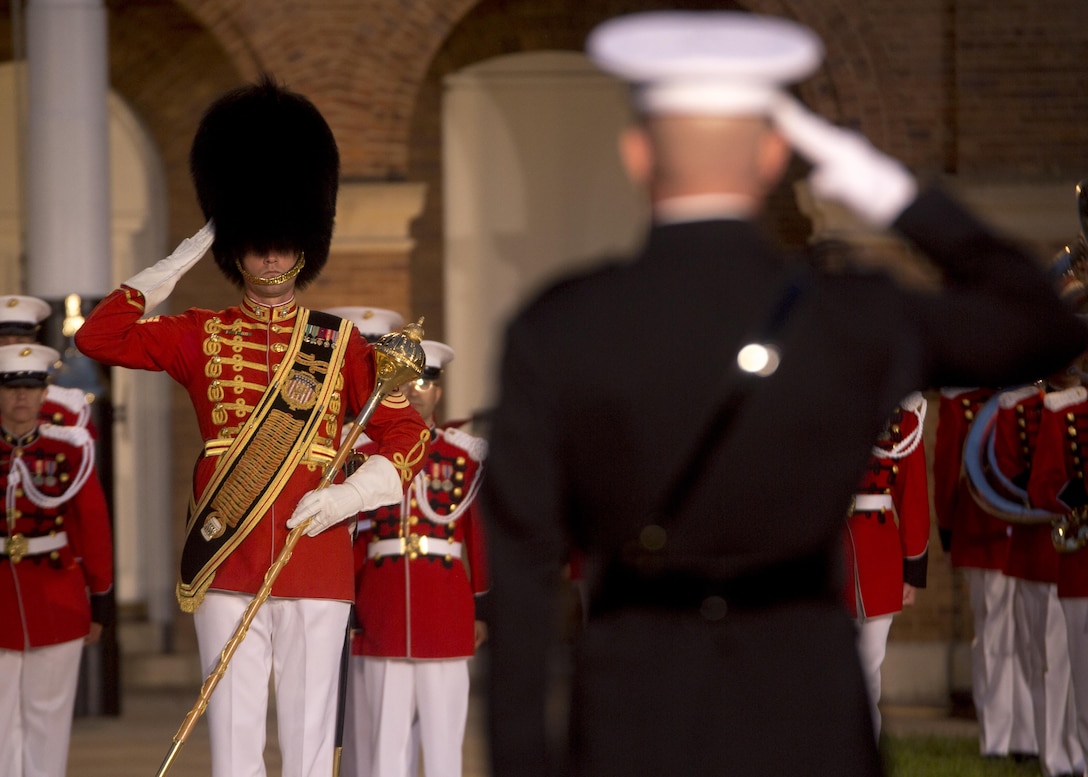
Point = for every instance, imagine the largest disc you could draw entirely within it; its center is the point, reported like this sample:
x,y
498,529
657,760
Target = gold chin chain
x,y
295,270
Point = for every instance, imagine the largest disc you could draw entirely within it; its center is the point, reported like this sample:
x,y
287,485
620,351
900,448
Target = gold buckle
x,y
415,545
17,547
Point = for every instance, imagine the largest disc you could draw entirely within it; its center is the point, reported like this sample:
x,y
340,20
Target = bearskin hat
x,y
266,169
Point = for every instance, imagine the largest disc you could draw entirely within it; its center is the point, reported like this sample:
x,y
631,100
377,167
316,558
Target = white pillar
x,y
67,181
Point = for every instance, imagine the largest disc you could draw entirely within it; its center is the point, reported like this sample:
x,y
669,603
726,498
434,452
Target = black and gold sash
x,y
252,472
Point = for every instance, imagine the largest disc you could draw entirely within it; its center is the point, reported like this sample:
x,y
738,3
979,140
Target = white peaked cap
x,y
16,310
372,323
705,63
26,364
438,355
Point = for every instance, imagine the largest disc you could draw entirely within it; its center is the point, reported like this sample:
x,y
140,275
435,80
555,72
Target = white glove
x,y
157,281
847,167
374,484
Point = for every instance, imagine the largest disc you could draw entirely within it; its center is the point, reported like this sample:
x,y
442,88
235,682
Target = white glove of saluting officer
x,y
374,484
157,281
846,166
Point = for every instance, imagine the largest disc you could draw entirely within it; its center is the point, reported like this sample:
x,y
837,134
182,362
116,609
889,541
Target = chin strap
x,y
296,268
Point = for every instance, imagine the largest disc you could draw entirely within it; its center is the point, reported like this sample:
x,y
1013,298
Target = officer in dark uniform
x,y
709,502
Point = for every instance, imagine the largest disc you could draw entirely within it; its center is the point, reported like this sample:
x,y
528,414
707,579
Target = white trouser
x,y
1022,739
358,728
1041,638
298,642
1075,612
437,691
992,657
37,694
872,645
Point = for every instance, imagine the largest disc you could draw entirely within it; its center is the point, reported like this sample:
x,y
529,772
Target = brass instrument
x,y
399,357
1069,532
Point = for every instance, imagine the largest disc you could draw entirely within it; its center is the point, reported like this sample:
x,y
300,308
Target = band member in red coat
x,y
1057,485
271,382
978,544
21,320
357,735
1041,646
419,597
55,549
887,537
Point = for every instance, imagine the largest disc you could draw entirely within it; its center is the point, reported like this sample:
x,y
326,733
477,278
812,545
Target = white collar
x,y
701,207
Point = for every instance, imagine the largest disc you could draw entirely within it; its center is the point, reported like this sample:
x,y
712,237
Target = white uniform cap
x,y
26,364
438,355
21,315
372,323
705,63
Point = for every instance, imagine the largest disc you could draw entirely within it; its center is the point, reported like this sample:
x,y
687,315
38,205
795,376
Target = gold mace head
x,y
399,356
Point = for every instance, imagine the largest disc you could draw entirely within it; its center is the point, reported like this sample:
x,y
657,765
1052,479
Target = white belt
x,y
871,503
362,525
423,546
19,546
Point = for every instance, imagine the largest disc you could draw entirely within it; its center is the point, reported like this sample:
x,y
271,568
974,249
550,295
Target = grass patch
x,y
935,756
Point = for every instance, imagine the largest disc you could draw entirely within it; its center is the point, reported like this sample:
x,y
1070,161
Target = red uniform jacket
x,y
43,597
974,537
424,607
884,547
225,360
1057,474
1016,429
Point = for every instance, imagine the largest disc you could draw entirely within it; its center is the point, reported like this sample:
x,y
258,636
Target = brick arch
x,y
493,28
361,64
168,67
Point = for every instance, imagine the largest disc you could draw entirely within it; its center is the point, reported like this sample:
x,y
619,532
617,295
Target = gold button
x,y
653,537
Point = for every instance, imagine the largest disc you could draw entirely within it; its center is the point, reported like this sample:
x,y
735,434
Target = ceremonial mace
x,y
399,358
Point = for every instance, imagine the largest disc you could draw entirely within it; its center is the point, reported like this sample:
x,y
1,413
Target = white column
x,y
67,181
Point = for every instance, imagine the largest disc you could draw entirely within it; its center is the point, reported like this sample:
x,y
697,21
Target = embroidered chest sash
x,y
253,471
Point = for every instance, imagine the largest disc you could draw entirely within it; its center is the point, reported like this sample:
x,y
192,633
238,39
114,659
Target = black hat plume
x,y
266,169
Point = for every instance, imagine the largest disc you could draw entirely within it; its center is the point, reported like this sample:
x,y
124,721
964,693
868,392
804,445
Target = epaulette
x,y
72,399
1060,400
913,402
1012,398
76,436
475,447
